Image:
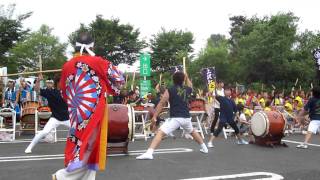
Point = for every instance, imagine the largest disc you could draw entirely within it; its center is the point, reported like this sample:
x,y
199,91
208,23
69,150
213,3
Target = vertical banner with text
x,y
145,71
145,87
209,76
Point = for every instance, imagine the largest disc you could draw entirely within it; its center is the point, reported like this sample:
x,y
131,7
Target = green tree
x,y
264,47
215,54
169,47
11,31
42,42
116,42
305,42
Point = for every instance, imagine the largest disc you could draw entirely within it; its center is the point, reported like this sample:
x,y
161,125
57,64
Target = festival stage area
x,y
176,159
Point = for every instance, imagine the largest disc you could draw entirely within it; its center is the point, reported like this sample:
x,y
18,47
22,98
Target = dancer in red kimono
x,y
85,82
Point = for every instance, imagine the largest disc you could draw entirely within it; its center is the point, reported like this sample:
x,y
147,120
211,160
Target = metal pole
x,y
35,72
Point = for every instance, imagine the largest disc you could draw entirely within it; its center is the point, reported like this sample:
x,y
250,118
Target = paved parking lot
x,y
176,159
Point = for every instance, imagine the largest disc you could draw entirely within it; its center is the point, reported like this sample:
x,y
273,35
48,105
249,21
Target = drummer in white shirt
x,y
244,123
216,105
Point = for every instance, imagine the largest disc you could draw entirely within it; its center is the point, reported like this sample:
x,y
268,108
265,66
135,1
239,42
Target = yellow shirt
x,y
300,103
248,112
241,101
289,107
262,102
298,98
237,100
267,109
277,101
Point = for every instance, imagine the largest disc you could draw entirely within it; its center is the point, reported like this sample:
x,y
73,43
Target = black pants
x,y
222,124
214,122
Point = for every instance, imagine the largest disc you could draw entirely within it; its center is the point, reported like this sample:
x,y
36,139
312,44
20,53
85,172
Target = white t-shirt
x,y
242,117
220,92
216,104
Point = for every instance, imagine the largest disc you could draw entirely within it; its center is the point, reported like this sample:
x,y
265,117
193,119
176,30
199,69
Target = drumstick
x,y
132,83
34,72
184,65
40,62
295,84
126,79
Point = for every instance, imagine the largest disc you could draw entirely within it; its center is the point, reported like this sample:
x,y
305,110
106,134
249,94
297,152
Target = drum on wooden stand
x,y
44,113
28,110
268,127
197,105
120,128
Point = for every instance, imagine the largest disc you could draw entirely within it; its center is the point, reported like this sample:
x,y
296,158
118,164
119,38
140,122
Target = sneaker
x,y
302,146
210,145
145,156
28,151
205,151
242,142
54,177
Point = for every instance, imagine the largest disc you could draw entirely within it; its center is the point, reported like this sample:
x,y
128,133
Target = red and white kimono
x,y
85,81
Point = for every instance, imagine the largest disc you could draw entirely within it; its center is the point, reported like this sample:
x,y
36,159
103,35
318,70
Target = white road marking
x,y
33,159
36,156
61,156
28,141
273,176
298,142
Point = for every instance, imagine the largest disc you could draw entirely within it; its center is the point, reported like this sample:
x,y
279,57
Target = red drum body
x,y
44,114
197,105
120,123
268,127
138,108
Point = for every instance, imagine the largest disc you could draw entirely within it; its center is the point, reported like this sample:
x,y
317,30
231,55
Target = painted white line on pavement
x,y
36,156
273,176
28,141
33,159
61,156
159,150
298,142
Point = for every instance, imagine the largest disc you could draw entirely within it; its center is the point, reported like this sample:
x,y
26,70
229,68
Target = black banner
x,y
209,76
316,57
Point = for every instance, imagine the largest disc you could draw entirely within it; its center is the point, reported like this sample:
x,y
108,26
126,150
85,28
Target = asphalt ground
x,y
177,158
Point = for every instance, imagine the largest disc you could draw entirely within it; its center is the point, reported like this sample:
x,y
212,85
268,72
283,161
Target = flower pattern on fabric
x,y
86,80
83,91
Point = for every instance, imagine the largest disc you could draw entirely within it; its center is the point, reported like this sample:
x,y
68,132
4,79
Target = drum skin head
x,y
259,124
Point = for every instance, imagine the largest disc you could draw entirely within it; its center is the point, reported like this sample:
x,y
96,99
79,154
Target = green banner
x,y
145,87
145,69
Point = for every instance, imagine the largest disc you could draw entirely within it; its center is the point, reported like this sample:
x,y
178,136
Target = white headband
x,y
49,81
86,47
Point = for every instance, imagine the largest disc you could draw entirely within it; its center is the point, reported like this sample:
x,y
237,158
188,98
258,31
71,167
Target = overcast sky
x,y
201,17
